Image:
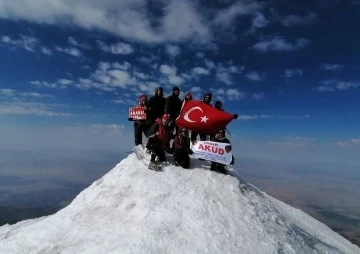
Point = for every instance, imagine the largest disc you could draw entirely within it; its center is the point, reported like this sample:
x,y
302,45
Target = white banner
x,y
213,151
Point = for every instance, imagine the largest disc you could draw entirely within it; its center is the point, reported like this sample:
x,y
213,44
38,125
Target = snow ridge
x,y
135,210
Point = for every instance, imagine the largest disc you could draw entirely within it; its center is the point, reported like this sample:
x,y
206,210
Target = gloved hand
x,y
236,116
190,151
130,119
232,163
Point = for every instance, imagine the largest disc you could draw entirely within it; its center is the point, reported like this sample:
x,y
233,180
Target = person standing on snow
x,y
156,104
220,137
172,108
207,99
157,139
141,126
218,105
182,150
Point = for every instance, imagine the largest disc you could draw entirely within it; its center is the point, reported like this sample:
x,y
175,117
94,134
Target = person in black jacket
x,y
207,99
141,126
156,106
172,108
182,149
220,137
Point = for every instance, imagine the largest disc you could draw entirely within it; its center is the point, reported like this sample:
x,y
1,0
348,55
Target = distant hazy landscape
x,y
36,184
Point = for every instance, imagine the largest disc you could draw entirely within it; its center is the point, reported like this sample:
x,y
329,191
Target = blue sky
x,y
71,69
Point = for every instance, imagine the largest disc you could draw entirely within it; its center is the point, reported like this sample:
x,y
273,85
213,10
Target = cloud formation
x,y
332,85
118,48
29,43
255,76
280,44
290,73
331,67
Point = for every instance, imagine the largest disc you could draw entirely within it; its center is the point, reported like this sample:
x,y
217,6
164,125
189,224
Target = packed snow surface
x,y
135,210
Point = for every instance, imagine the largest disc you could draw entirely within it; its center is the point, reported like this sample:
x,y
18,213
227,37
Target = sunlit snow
x,y
136,210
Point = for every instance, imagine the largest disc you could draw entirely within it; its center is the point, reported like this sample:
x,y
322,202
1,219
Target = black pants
x,y
182,157
159,153
218,167
139,129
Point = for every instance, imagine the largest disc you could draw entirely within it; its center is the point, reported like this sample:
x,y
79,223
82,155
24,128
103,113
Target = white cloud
x,y
7,92
224,77
64,81
46,51
168,70
28,43
195,89
30,108
227,16
68,50
349,143
200,55
185,76
230,94
223,72
331,67
176,80
172,50
78,139
254,117
258,96
119,48
259,21
289,73
76,43
200,71
130,19
44,84
125,66
210,64
332,85
280,44
255,76
36,95
294,20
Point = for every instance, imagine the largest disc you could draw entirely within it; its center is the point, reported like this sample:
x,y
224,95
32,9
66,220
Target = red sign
x,y
137,113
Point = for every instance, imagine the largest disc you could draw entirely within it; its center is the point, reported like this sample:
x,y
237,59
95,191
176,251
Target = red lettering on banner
x,y
221,151
207,148
201,147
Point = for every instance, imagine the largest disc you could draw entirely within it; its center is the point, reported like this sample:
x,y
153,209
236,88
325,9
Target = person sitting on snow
x,y
220,137
158,136
182,150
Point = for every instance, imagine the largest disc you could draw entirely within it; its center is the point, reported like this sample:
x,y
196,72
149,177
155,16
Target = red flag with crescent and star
x,y
202,118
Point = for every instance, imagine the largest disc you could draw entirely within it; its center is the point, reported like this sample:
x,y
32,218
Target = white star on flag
x,y
204,119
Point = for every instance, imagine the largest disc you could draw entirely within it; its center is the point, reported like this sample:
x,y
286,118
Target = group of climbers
x,y
160,124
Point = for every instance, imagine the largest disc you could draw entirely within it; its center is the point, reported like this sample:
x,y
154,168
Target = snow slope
x,y
134,210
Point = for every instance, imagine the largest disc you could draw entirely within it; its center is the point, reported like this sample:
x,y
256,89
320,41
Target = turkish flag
x,y
202,118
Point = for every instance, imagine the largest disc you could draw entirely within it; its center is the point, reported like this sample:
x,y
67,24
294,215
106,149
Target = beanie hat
x,y
176,89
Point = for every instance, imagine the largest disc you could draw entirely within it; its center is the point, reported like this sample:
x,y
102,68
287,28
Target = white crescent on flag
x,y
186,116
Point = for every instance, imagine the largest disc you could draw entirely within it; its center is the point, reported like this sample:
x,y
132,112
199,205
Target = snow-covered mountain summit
x,y
135,210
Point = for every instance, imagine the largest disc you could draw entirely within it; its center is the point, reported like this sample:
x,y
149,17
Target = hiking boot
x,y
153,166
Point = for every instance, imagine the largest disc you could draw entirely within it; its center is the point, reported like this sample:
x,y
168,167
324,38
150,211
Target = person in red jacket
x,y
182,150
158,136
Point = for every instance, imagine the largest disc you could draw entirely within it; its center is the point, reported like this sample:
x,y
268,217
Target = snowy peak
x,y
135,210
